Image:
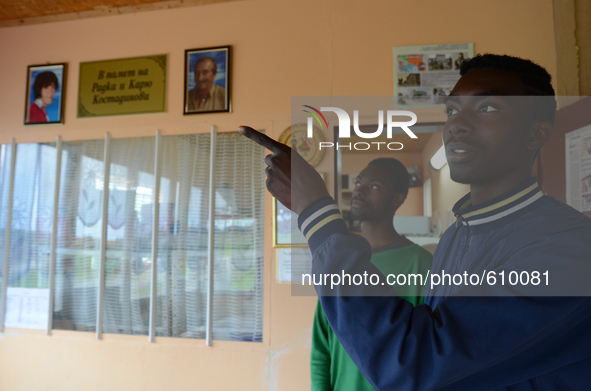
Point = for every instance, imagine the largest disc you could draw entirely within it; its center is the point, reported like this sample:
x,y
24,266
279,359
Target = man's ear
x,y
538,136
398,199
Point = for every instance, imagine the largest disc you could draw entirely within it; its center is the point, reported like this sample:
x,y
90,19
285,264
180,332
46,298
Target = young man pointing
x,y
499,333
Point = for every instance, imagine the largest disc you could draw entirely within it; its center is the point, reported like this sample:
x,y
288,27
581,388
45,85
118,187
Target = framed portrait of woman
x,y
45,94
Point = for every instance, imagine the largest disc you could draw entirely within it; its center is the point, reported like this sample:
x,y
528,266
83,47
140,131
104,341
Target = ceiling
x,y
20,12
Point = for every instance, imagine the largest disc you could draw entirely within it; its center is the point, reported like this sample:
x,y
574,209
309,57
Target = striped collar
x,y
498,207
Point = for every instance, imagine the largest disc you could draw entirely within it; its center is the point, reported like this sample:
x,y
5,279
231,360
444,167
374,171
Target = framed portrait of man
x,y
207,80
45,94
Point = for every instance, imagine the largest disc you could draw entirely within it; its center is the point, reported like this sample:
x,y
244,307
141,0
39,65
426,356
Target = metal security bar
x,y
105,222
155,227
53,255
211,241
8,232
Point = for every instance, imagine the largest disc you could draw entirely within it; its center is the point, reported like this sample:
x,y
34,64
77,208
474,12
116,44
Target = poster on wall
x,y
45,97
425,75
135,85
578,169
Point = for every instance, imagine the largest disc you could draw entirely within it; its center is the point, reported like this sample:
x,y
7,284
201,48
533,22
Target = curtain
x,y
79,236
129,236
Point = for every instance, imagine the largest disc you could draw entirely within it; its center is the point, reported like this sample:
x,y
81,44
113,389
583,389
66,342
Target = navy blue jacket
x,y
484,337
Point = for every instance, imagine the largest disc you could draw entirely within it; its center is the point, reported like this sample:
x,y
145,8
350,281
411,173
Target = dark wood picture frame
x,y
212,93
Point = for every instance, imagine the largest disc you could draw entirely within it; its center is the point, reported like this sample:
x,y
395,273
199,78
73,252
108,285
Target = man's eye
x,y
487,109
357,184
450,111
375,187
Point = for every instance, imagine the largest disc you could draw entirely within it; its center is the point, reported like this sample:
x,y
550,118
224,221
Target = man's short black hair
x,y
397,172
207,58
43,80
536,79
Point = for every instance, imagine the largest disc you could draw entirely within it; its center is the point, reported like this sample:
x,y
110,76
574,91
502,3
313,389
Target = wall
x,y
281,48
572,26
583,35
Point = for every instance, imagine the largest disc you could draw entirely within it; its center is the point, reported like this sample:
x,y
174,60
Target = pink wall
x,y
280,49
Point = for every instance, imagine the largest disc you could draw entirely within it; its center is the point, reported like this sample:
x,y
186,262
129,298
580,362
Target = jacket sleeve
x,y
466,343
320,356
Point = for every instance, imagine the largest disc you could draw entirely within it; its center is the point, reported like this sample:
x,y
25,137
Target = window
x,y
183,230
31,220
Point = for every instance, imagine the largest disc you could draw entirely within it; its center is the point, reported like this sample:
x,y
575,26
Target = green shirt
x,y
331,366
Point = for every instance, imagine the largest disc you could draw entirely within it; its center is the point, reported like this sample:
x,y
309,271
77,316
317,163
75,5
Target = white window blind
x,y
32,216
182,270
238,271
128,257
182,249
79,236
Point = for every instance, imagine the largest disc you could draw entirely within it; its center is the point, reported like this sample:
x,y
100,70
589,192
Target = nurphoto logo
x,y
345,127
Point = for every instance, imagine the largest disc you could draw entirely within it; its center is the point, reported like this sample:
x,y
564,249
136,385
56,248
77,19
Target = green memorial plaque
x,y
135,85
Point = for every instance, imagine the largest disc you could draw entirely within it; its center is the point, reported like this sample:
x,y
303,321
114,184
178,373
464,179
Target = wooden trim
x,y
108,11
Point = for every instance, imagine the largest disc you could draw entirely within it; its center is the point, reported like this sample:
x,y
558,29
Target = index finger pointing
x,y
259,137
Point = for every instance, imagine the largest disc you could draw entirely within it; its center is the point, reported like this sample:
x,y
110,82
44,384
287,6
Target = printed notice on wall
x,y
578,169
27,308
425,75
292,263
134,85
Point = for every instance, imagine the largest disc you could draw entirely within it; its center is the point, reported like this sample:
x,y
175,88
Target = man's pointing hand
x,y
294,182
